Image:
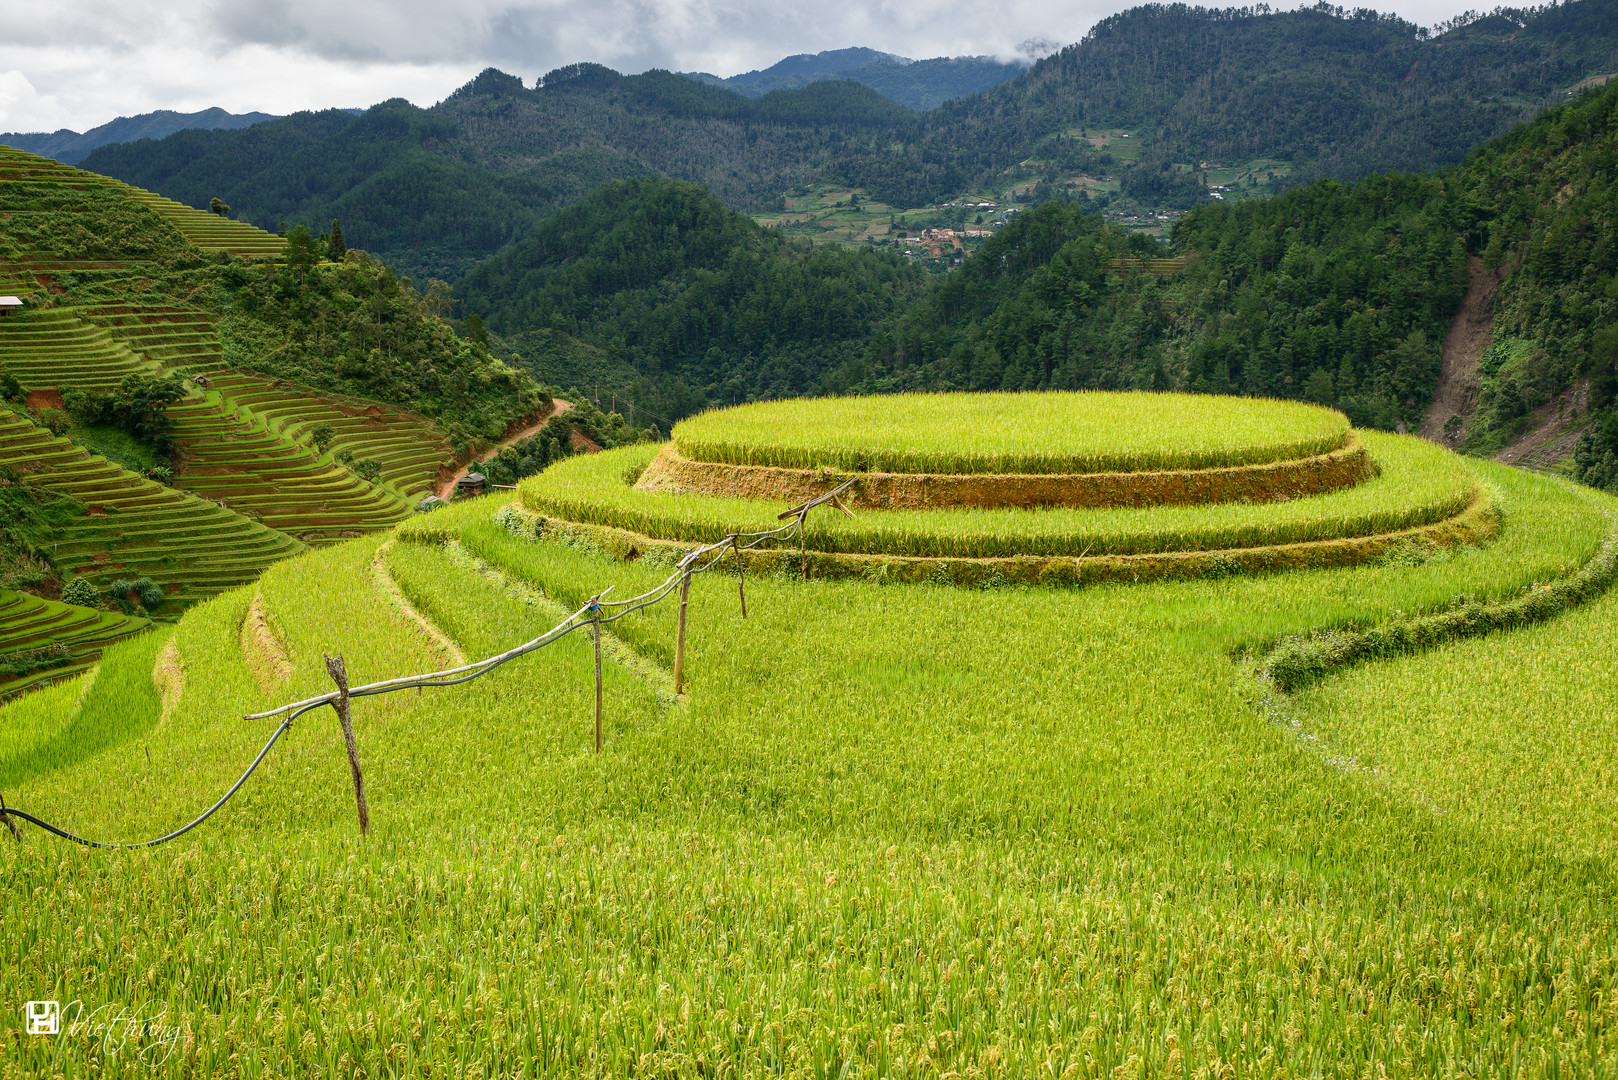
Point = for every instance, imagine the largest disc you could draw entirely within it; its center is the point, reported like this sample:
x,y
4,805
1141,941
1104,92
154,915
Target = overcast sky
x,y
79,63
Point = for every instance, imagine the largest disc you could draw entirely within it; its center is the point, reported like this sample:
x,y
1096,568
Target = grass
x,y
1419,484
1083,432
890,831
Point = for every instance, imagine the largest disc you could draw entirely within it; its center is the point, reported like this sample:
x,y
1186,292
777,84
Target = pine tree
x,y
335,246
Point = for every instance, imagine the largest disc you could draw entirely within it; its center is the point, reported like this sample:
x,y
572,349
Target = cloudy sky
x,y
80,63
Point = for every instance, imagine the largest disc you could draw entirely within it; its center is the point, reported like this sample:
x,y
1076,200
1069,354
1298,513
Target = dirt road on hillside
x,y
558,406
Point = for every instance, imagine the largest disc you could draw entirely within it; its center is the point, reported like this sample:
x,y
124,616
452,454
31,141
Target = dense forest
x,y
1332,292
916,84
1329,92
1322,91
692,297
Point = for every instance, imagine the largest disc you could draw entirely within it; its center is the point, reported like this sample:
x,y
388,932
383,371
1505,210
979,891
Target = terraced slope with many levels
x,y
410,449
56,348
210,230
180,338
31,626
232,457
134,527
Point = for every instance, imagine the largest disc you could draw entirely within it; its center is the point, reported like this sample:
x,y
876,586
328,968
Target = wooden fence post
x,y
339,675
596,633
741,574
679,634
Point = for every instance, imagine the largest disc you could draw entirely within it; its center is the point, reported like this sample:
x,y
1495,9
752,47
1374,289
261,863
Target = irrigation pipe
x,y
591,616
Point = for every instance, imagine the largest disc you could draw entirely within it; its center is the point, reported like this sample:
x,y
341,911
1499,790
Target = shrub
x,y
81,592
142,591
57,421
323,435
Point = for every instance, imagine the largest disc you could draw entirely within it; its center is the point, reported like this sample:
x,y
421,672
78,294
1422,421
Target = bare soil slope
x,y
1455,397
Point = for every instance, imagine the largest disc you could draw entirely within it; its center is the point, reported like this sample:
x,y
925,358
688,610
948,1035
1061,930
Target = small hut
x,y
470,484
10,305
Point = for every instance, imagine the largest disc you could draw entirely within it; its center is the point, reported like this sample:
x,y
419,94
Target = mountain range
x,y
1145,111
72,147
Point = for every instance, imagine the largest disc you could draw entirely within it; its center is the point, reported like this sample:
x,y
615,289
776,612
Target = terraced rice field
x,y
201,228
29,623
1403,491
1419,484
134,527
179,338
889,830
245,441
211,231
1053,432
58,348
236,461
408,447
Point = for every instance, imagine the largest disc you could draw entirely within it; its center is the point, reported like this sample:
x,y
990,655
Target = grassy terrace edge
x,y
1078,432
1299,661
1274,481
1420,485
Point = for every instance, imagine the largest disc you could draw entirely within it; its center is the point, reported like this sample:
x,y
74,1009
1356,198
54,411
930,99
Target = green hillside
x,y
686,295
44,640
130,299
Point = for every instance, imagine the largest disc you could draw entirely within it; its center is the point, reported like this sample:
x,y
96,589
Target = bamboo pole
x,y
596,633
679,634
339,675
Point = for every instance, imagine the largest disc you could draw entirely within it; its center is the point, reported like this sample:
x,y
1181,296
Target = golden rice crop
x,y
1419,484
1055,432
889,831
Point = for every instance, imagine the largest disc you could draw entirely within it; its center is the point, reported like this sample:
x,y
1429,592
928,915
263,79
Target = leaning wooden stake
x,y
5,817
339,675
741,574
596,633
679,633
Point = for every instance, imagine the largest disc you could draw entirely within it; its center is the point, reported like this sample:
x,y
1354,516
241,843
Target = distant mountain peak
x,y
72,147
917,84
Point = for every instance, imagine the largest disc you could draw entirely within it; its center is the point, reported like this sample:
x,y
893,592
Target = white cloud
x,y
80,63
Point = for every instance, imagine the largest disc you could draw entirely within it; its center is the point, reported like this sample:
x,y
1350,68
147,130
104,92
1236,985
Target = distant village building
x,y
470,484
10,305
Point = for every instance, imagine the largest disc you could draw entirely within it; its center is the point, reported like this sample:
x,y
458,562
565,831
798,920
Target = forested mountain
x,y
1326,91
678,301
1317,91
1333,292
71,147
433,190
916,84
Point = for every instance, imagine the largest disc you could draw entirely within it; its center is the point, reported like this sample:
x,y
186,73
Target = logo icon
x,y
44,1017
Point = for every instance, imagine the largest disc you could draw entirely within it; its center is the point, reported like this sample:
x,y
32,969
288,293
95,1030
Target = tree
x,y
335,247
300,251
476,333
216,205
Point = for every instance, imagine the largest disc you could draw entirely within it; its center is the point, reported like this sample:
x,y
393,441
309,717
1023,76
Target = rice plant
x,y
1419,484
1056,432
